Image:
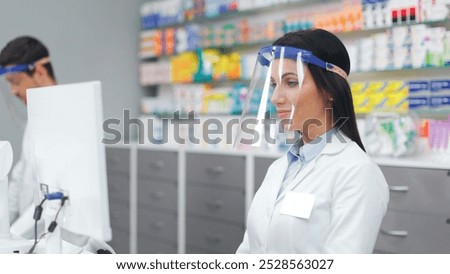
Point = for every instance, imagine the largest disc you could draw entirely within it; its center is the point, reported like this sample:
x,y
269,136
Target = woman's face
x,y
301,100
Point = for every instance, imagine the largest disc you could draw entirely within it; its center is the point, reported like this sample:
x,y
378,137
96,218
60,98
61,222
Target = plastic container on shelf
x,y
390,134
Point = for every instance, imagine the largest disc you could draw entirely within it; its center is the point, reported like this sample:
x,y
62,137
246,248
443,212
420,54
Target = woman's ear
x,y
328,99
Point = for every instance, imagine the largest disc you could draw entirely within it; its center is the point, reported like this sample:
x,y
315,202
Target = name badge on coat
x,y
298,204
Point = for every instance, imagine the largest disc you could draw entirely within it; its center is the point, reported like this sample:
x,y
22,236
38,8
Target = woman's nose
x,y
277,97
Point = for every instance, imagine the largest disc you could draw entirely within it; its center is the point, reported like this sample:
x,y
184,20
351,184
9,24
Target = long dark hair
x,y
329,48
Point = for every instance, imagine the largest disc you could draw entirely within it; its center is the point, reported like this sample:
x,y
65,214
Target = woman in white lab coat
x,y
326,195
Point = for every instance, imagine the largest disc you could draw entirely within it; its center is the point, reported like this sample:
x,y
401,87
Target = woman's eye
x,y
292,84
273,85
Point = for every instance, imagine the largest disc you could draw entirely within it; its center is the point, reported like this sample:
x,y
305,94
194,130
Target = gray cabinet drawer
x,y
120,241
118,188
216,203
157,164
119,215
215,236
158,193
152,245
418,190
216,169
157,224
425,234
117,160
261,167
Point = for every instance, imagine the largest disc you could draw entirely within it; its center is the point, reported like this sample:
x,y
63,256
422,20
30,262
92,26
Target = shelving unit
x,y
280,10
244,13
202,228
341,34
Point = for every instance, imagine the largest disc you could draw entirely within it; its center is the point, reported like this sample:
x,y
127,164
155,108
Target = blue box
x,y
418,103
440,102
419,88
440,87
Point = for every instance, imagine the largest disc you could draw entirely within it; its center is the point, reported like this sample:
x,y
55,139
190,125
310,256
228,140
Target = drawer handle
x,y
399,188
159,194
214,205
158,164
396,233
158,225
214,239
215,170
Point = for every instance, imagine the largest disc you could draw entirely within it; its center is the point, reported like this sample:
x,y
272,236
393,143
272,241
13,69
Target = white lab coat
x,y
22,182
351,196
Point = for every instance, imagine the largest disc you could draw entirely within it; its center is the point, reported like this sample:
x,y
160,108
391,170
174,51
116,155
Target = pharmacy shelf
x,y
387,74
401,73
224,82
367,32
242,13
343,35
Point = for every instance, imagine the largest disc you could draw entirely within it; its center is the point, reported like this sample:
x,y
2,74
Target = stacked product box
x,y
402,47
419,94
397,96
440,95
155,73
155,14
380,96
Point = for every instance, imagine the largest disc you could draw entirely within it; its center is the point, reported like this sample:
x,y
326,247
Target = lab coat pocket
x,y
298,204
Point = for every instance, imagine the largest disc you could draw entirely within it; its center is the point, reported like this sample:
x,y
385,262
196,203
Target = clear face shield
x,y
271,106
12,88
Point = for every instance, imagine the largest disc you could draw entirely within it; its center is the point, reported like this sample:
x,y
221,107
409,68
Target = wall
x,y
88,40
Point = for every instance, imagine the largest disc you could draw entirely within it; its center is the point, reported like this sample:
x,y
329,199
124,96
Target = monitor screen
x,y
65,122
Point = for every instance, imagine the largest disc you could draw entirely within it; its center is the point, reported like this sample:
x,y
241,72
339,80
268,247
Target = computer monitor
x,y
65,123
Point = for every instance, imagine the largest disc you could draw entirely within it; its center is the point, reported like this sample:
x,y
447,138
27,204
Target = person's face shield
x,y
14,81
279,84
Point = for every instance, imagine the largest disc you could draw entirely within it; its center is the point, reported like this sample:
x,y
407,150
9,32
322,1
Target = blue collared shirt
x,y
299,155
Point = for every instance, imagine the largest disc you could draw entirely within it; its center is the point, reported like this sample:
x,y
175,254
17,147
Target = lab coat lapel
x,y
336,145
299,177
277,180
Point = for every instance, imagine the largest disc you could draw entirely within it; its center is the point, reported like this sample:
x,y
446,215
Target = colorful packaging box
x,y
397,96
360,97
419,94
439,94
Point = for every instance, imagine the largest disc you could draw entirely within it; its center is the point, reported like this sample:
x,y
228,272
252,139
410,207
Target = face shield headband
x,y
292,53
23,67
